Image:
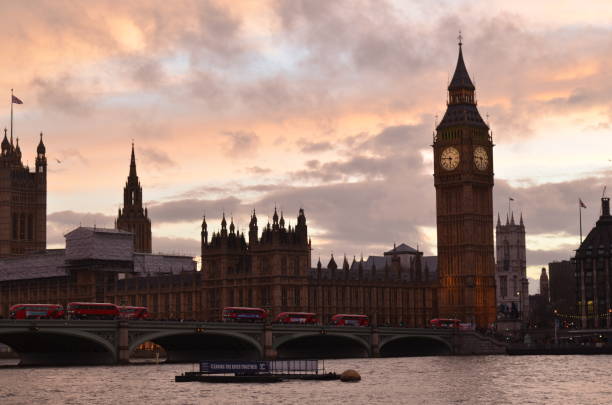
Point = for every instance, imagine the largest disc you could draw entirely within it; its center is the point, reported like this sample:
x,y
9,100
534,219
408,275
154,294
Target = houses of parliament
x,y
270,267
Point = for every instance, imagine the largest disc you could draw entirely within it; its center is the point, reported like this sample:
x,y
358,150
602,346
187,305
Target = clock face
x,y
481,159
449,159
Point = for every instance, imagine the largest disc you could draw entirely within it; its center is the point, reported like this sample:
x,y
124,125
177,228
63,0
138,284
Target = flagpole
x,y
580,216
11,113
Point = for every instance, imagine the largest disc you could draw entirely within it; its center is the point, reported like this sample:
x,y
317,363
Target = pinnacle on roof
x,y
461,78
521,222
512,219
498,221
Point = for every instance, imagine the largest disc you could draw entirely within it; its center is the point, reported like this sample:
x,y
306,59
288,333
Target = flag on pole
x,y
581,203
15,100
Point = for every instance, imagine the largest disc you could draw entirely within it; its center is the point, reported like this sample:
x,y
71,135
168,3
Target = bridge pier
x,y
374,344
270,353
123,343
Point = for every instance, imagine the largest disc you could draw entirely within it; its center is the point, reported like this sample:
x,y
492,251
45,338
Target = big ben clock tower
x,y
463,177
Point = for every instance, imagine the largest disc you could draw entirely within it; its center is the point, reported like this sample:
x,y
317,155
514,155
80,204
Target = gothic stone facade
x,y
23,200
95,266
273,272
463,177
511,270
133,218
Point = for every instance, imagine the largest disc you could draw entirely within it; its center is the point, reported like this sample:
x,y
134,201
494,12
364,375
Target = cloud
x,y
62,94
153,157
177,246
314,147
188,210
258,170
240,143
61,222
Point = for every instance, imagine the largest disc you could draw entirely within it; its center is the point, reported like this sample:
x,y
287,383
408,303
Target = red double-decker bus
x,y
36,311
133,313
445,323
92,310
350,320
296,317
244,314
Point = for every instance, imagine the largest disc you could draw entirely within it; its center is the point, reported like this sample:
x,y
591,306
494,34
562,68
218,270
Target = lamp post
x,y
520,313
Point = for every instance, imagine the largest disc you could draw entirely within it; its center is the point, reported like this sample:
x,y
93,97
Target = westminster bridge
x,y
57,342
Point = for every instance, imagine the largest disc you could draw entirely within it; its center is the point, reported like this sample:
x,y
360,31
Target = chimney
x,y
605,207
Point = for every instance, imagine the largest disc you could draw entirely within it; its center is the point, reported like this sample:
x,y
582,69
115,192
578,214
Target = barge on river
x,y
257,372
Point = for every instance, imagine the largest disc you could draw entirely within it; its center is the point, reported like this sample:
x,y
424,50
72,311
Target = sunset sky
x,y
325,105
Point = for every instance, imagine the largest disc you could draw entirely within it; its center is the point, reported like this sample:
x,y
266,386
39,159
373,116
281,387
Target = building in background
x,y
91,269
540,311
511,270
23,200
134,218
593,278
398,288
463,177
273,271
562,285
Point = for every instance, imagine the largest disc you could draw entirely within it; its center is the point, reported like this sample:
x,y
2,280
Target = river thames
x,y
413,380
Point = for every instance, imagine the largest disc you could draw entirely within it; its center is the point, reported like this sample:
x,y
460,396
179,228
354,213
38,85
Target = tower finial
x,y
460,38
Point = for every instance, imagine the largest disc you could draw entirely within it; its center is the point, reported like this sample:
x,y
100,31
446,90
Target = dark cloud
x,y
61,222
156,158
61,94
190,209
543,257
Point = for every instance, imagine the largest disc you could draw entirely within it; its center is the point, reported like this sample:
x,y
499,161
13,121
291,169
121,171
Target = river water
x,y
413,380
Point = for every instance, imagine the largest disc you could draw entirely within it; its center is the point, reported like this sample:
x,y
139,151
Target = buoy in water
x,y
350,376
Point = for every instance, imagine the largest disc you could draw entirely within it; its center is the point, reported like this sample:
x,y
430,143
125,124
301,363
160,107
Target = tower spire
x,y
133,163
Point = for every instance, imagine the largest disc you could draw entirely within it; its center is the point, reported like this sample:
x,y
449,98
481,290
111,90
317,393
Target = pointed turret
x,y
253,229
41,159
6,145
223,226
40,149
345,264
512,219
498,220
18,151
282,220
521,221
204,230
232,227
275,219
332,263
507,220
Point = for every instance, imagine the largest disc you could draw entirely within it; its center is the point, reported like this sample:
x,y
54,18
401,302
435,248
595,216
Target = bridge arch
x,y
192,346
321,345
416,345
59,346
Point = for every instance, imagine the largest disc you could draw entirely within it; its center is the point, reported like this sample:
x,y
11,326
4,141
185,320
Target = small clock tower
x,y
463,177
